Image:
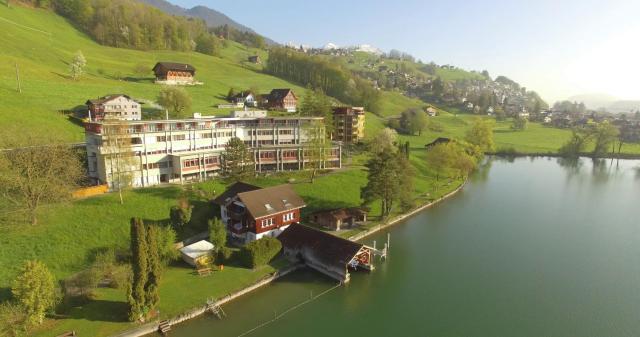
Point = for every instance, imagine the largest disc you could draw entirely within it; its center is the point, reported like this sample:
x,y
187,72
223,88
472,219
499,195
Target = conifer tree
x,y
154,268
139,267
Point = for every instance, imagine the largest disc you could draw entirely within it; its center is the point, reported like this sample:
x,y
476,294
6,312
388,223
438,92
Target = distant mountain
x,y
608,102
212,17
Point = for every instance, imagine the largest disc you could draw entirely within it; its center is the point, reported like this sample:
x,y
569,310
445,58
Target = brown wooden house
x,y
254,59
174,73
282,99
251,213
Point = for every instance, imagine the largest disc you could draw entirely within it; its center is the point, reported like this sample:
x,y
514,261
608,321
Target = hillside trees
x,y
131,24
176,100
35,290
32,174
334,79
384,141
413,121
481,135
316,104
77,65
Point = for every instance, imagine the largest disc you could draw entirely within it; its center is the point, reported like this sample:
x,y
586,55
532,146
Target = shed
x,y
335,219
195,252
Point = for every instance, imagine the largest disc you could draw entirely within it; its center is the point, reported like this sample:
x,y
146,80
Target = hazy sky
x,y
558,48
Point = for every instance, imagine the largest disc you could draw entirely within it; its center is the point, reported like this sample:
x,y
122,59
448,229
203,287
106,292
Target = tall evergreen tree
x,y
154,268
139,266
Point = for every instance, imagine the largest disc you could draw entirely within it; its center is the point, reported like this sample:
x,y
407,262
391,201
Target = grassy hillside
x,y
43,57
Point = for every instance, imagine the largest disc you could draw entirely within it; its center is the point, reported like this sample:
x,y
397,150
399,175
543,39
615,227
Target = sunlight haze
x,y
559,49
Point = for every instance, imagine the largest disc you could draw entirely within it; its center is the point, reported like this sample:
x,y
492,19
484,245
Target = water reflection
x,y
573,166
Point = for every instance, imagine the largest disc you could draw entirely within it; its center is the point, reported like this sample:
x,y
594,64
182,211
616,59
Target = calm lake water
x,y
532,247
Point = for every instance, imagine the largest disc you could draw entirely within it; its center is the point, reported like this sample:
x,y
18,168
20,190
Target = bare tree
x,y
34,172
316,148
121,161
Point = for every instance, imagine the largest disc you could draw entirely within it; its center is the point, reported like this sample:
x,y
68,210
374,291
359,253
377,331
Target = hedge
x,y
258,253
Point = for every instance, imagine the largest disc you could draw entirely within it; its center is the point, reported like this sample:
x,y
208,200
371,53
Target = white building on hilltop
x,y
176,151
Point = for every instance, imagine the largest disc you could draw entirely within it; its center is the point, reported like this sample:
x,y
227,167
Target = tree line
x,y
131,24
320,73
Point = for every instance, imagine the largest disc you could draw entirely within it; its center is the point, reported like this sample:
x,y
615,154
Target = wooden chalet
x,y
282,99
326,253
251,213
337,219
254,59
174,73
114,106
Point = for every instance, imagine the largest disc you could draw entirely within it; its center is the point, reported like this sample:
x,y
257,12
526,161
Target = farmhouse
x,y
326,253
282,99
251,213
172,73
348,124
116,106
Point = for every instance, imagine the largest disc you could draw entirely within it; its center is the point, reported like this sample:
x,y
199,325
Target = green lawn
x,y
43,62
180,291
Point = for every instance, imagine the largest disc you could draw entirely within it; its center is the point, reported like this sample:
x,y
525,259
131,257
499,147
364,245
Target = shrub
x,y
166,240
35,290
180,216
225,255
258,253
217,233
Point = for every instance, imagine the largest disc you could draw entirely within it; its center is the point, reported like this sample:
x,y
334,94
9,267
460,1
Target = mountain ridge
x,y
212,17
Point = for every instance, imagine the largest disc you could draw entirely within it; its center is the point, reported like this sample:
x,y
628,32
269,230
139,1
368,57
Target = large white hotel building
x,y
177,151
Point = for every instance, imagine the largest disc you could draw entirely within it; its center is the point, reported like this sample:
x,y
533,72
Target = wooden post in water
x,y
388,240
18,76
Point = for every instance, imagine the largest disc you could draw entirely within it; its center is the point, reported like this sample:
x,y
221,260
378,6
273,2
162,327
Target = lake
x,y
530,247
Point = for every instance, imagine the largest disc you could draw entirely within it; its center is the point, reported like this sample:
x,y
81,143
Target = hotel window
x,y
161,139
264,223
179,137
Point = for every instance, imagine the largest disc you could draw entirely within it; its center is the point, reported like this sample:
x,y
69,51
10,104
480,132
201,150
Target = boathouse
x,y
326,253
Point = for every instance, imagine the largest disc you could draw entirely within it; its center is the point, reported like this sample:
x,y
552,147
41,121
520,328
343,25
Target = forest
x,y
134,25
319,73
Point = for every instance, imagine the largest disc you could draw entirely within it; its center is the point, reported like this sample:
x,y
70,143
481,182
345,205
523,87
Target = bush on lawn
x,y
258,253
225,255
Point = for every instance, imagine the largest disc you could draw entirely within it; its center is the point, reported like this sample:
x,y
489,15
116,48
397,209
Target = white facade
x,y
178,151
119,107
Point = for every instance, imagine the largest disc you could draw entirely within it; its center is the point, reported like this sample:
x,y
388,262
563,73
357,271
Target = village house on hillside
x,y
172,73
251,213
348,124
117,106
246,98
281,99
254,59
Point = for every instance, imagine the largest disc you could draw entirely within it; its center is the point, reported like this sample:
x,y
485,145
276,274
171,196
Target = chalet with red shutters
x,y
251,213
281,99
172,73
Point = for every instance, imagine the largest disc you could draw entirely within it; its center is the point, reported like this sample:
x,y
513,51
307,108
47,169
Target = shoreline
x,y
152,327
624,156
404,216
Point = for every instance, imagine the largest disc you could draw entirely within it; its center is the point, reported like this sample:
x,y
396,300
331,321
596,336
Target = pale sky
x,y
558,48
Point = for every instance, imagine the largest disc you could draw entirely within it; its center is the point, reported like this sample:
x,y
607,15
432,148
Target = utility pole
x,y
18,77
